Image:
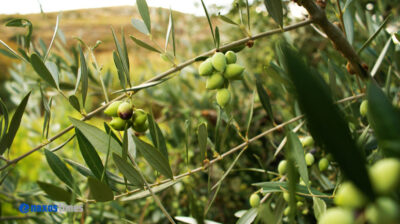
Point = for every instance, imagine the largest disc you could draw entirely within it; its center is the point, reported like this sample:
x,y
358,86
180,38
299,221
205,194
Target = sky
x,y
33,6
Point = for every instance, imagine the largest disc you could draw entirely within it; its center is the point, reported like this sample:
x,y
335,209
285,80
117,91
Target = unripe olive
x,y
215,81
141,127
139,117
230,57
286,212
337,215
349,196
112,109
125,110
254,200
233,71
307,141
299,204
286,196
206,68
282,166
309,159
323,164
383,211
385,175
364,108
118,123
223,97
218,61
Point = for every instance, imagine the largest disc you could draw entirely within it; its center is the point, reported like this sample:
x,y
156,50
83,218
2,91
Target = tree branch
x,y
340,42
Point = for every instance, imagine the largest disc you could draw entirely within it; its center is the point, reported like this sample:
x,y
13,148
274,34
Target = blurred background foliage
x,y
182,103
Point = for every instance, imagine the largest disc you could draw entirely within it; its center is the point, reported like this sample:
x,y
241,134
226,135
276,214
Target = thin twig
x,y
158,77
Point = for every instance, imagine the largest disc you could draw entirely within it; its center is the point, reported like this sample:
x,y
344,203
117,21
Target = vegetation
x,y
255,116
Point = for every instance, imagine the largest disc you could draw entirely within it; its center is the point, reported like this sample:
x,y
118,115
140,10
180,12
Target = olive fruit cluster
x,y
220,69
385,179
125,115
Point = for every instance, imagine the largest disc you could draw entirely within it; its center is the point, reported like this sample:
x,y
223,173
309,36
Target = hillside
x,y
91,25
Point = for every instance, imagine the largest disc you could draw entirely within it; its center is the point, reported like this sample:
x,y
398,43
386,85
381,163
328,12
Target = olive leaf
x,y
100,191
55,193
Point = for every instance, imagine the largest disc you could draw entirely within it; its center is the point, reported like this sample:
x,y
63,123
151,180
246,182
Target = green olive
x,y
364,108
118,123
230,57
125,111
233,71
218,61
282,166
139,117
383,211
309,159
385,175
307,141
254,200
336,216
206,68
323,164
349,196
223,97
141,127
215,81
112,109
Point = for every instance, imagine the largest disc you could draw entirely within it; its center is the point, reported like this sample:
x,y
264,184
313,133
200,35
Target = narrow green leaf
x,y
11,51
217,38
107,128
144,12
275,9
60,169
84,76
250,114
248,14
140,26
382,55
209,21
53,69
384,119
55,193
96,137
8,138
8,54
73,100
143,44
4,112
294,145
248,217
348,19
131,174
372,37
90,155
86,172
170,30
271,187
157,136
202,136
319,207
147,193
125,56
226,19
100,191
23,23
348,2
264,99
120,70
122,56
53,38
41,69
156,160
325,121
